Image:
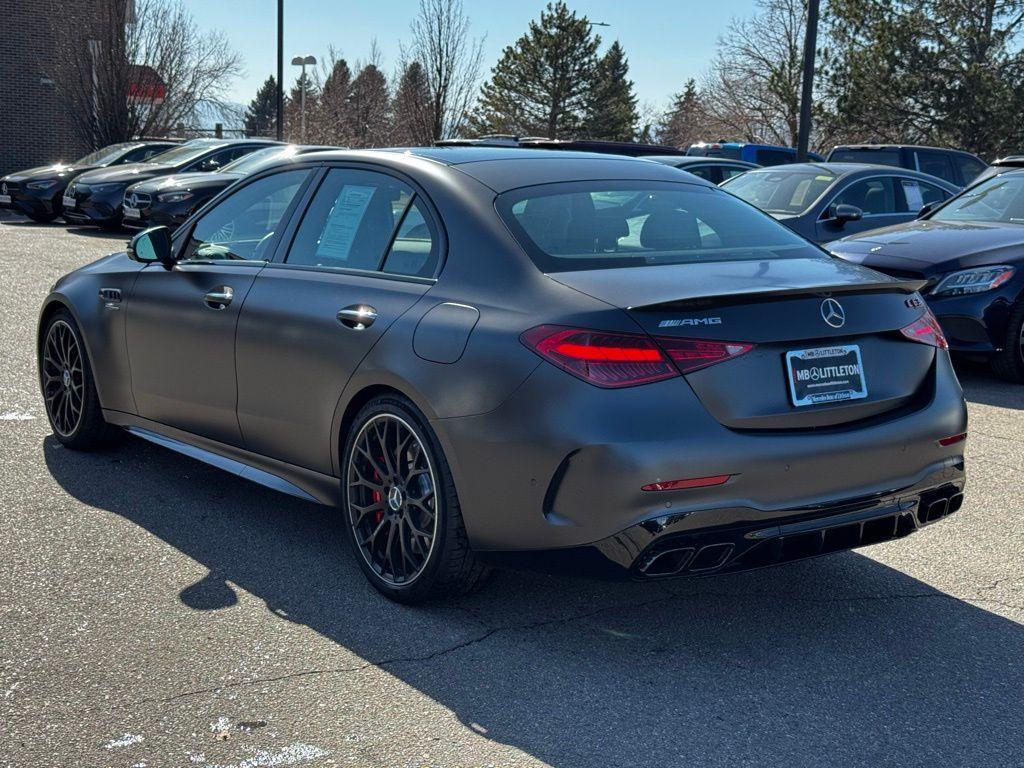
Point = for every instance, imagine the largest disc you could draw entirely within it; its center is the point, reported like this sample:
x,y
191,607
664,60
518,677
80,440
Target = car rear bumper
x,y
563,464
678,545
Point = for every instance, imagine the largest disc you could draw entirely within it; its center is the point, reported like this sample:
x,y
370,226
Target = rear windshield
x,y
876,156
606,225
183,154
1000,199
782,192
711,150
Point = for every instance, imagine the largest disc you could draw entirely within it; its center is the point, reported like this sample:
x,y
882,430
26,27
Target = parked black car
x,y
626,148
96,197
170,200
37,192
825,201
1000,165
556,359
953,165
713,169
971,253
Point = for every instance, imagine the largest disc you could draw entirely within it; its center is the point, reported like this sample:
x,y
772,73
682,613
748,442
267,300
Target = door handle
x,y
358,317
219,298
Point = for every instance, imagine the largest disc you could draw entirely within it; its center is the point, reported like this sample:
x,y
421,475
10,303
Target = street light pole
x,y
302,61
810,49
280,69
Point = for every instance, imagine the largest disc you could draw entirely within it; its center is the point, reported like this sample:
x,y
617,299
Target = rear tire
x,y
1009,364
401,512
69,390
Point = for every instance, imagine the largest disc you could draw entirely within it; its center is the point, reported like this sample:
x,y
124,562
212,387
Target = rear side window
x,y
729,171
365,220
706,172
936,164
564,228
874,156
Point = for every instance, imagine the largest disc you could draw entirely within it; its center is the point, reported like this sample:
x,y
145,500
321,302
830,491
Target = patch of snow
x,y
125,741
293,754
16,416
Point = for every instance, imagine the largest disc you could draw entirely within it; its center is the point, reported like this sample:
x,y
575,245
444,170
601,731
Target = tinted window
x,y
564,229
182,154
350,221
969,167
875,156
873,196
935,163
103,156
415,248
729,171
704,171
785,192
1000,199
773,157
242,225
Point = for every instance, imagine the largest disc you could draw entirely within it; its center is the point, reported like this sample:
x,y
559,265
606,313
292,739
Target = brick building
x,y
35,127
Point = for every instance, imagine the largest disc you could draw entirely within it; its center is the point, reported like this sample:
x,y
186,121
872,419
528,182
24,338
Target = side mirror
x,y
152,247
845,212
926,209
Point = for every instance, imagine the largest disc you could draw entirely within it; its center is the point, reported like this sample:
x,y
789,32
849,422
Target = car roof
x,y
902,146
505,168
680,160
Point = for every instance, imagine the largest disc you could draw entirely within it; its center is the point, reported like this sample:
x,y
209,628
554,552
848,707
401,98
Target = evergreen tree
x,y
261,114
611,113
412,108
333,119
683,124
369,108
542,84
293,108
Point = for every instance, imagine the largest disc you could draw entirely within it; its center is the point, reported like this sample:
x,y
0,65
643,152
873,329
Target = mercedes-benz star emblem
x,y
832,313
395,499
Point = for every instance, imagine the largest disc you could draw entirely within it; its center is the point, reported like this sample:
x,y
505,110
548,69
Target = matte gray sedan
x,y
487,356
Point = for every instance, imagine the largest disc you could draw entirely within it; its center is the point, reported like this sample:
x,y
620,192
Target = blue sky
x,y
666,42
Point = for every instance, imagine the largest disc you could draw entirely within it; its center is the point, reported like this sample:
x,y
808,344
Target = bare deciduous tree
x,y
451,60
149,48
752,91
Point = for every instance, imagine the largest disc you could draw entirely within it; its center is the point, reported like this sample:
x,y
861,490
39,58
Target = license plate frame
x,y
825,375
132,213
5,199
68,202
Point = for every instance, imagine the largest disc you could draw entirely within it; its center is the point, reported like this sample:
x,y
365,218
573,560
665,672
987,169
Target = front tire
x,y
402,514
1009,364
69,390
43,218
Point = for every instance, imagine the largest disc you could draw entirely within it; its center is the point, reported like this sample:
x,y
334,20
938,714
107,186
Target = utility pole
x,y
810,48
280,70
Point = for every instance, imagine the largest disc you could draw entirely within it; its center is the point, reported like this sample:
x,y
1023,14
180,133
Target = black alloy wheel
x,y
392,499
63,373
402,514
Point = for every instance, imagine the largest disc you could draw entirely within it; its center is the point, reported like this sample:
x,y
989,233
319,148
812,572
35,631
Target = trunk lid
x,y
780,307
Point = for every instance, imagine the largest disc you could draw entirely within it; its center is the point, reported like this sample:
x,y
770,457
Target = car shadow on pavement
x,y
837,661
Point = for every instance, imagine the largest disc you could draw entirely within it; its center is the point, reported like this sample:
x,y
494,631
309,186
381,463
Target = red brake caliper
x,y
377,498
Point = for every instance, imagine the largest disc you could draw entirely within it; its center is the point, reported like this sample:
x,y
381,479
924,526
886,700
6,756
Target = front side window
x,y
563,227
874,197
1000,200
242,226
781,192
351,220
729,171
918,194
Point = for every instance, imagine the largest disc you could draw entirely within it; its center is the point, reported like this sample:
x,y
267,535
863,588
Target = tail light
x,y
926,330
612,359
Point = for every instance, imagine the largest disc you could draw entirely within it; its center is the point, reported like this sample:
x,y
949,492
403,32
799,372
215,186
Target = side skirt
x,y
277,475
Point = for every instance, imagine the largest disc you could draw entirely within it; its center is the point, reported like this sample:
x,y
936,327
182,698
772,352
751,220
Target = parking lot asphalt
x,y
155,611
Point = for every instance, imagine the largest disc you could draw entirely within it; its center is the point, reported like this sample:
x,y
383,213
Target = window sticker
x,y
343,221
915,200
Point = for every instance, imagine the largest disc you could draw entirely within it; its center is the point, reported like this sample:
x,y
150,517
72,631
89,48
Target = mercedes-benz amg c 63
x,y
490,356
